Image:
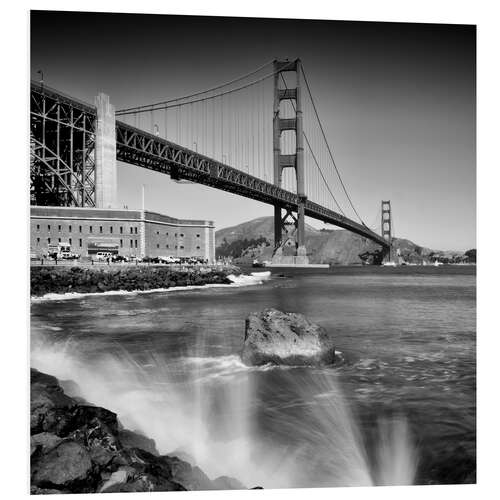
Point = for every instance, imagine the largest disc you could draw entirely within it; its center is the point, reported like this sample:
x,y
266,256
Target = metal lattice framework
x,y
62,147
63,135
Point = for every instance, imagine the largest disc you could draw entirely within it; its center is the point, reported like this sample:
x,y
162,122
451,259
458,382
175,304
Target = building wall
x,y
168,236
134,233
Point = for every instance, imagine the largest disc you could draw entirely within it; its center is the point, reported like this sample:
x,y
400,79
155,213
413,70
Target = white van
x,y
103,256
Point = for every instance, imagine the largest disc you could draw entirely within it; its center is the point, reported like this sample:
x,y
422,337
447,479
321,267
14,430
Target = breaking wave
x,y
210,409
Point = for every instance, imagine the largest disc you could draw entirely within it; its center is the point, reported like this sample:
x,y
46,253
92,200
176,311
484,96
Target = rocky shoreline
x,y
80,448
78,279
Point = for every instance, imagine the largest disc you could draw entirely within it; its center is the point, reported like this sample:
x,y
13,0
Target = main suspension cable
x,y
328,147
148,109
314,156
182,98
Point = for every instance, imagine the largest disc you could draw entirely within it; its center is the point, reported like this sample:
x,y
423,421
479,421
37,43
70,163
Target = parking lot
x,y
88,262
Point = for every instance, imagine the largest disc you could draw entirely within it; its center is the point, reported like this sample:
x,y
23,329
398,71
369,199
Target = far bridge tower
x,y
386,227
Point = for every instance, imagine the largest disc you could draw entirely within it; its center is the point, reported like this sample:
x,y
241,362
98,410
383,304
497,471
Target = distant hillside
x,y
253,229
323,246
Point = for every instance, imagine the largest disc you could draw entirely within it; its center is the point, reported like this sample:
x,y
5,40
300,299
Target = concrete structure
x,y
133,233
105,154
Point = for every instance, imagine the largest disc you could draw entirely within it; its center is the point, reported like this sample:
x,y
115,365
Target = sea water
x,y
398,407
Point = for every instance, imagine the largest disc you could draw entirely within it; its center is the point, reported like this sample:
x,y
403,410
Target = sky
x,y
397,101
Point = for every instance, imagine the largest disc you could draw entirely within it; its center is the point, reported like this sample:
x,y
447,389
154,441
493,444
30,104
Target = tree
x,y
471,255
237,248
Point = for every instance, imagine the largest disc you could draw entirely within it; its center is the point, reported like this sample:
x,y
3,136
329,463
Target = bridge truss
x,y
137,147
62,149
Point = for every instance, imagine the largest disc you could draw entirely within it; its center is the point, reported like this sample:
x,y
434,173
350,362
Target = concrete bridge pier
x,y
105,154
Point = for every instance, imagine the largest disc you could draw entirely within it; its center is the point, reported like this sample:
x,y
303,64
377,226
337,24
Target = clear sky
x,y
397,102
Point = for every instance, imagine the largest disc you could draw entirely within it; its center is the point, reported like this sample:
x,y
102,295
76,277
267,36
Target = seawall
x,y
78,279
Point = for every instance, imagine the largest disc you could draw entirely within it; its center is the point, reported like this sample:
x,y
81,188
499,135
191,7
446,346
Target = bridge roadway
x,y
143,149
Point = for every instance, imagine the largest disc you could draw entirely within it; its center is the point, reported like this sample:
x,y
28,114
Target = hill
x,y
253,229
254,239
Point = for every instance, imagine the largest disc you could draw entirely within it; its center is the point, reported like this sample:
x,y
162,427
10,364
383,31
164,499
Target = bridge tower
x,y
386,226
289,230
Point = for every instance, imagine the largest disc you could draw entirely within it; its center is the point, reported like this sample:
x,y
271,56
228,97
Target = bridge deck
x,y
146,150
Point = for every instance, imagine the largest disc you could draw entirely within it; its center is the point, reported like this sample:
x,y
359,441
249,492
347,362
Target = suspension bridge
x,y
259,136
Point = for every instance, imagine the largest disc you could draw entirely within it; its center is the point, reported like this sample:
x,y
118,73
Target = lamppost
x,y
40,72
195,144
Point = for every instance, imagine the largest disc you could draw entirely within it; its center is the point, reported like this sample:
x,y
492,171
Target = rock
x,y
35,490
191,477
272,336
88,415
43,442
63,467
155,471
96,428
118,477
130,439
183,455
80,448
71,388
50,407
227,483
140,485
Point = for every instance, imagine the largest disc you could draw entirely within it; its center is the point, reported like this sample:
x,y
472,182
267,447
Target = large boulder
x,y
65,466
276,337
50,406
43,442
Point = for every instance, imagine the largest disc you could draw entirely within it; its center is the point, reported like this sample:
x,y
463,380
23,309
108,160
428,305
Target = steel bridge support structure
x,y
386,228
62,150
289,229
73,151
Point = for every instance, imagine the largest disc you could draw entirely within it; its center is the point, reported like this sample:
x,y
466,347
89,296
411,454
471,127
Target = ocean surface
x,y
398,407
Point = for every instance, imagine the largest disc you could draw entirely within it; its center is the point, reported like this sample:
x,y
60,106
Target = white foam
x,y
225,366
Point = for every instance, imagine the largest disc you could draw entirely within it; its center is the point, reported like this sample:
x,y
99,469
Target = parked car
x,y
69,256
169,259
119,258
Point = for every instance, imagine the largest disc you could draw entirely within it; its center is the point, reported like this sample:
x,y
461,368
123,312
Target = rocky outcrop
x,y
272,336
65,279
80,448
